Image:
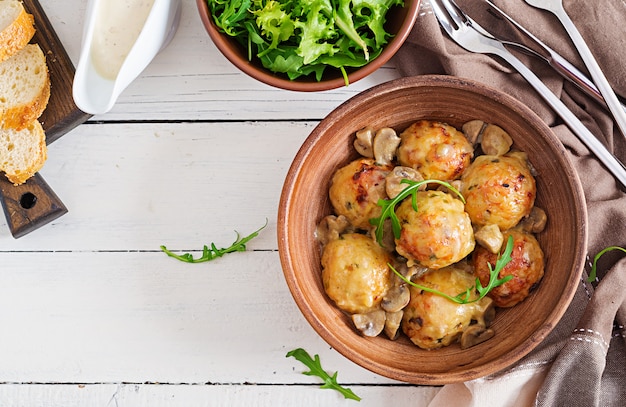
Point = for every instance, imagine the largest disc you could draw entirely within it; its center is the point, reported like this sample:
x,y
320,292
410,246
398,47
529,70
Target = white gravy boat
x,y
117,46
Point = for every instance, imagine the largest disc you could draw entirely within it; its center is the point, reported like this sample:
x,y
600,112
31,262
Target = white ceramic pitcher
x,y
96,87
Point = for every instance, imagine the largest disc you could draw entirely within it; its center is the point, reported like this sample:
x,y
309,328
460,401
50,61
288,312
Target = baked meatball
x,y
355,272
438,234
435,149
498,190
356,189
526,267
432,321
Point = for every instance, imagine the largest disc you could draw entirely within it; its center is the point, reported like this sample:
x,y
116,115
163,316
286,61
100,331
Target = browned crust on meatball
x,y
356,189
526,267
498,190
435,149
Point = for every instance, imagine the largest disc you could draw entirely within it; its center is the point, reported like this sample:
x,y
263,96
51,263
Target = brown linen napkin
x,y
583,361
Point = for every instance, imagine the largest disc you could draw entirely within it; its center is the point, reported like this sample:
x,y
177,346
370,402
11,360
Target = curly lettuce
x,y
304,37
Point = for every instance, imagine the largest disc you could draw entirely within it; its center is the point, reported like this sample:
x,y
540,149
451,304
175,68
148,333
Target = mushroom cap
x,y
393,320
475,334
371,323
396,298
386,143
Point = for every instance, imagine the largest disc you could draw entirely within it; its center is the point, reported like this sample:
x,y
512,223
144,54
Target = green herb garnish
x,y
592,274
389,205
212,252
465,297
315,366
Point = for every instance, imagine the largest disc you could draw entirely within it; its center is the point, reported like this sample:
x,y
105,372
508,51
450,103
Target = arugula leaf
x,y
593,273
466,296
315,369
389,206
212,252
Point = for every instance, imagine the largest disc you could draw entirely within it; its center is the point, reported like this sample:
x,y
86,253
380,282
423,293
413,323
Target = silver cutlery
x,y
556,8
471,36
551,57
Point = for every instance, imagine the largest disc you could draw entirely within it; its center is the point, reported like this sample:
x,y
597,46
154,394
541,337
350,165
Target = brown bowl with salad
x,y
482,221
304,46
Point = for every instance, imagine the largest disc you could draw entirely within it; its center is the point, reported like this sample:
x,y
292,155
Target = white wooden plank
x,y
192,80
137,186
133,395
84,317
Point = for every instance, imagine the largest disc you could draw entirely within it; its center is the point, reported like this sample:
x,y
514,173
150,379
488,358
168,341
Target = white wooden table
x,y
94,314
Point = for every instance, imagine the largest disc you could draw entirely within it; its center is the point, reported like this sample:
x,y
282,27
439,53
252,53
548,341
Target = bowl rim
x,y
430,378
281,82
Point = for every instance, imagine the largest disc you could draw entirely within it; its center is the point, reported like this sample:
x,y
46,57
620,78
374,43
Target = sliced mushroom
x,y
392,324
393,180
386,143
396,298
389,241
473,130
489,315
495,140
475,334
330,228
456,184
371,323
535,222
490,237
364,141
415,271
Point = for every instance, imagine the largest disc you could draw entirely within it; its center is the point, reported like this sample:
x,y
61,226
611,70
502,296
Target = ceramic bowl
x,y
400,21
304,201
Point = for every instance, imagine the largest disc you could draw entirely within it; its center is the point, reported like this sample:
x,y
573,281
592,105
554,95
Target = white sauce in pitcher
x,y
118,24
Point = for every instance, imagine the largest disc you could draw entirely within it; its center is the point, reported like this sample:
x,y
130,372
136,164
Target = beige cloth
x,y
583,361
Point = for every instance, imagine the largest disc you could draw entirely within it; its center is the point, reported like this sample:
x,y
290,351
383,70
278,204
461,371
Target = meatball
x,y
498,190
432,321
436,150
355,272
526,267
356,189
438,234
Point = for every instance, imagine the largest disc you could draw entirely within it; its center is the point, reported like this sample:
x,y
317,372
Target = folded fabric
x,y
583,360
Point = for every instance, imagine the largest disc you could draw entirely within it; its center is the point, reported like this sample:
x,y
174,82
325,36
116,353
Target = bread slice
x,y
22,152
24,87
16,28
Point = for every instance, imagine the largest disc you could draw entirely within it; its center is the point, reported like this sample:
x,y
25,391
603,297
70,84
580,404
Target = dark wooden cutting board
x,y
33,204
61,115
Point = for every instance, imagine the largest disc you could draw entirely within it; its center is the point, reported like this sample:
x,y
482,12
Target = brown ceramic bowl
x,y
400,21
304,201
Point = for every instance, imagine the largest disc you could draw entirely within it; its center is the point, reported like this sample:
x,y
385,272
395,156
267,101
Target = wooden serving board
x,y
33,204
61,115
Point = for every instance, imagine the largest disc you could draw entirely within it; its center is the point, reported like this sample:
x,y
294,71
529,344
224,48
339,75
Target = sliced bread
x,y
16,28
24,87
22,152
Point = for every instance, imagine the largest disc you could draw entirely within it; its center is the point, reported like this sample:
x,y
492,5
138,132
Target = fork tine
x,y
444,18
454,12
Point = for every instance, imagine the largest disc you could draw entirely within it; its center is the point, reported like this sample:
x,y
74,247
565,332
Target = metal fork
x,y
471,36
550,56
556,8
